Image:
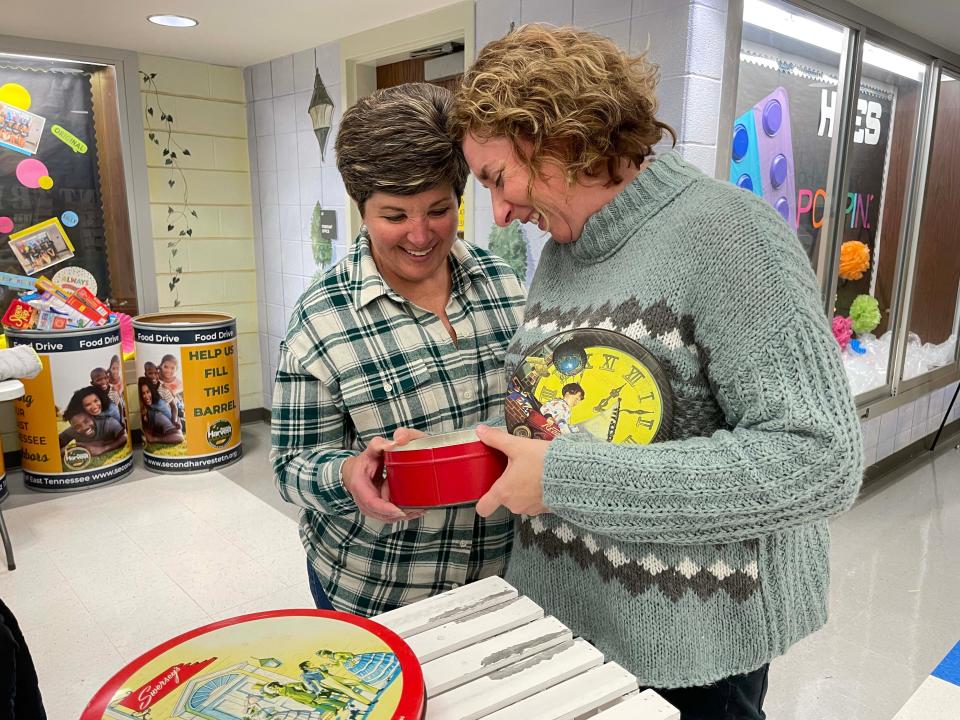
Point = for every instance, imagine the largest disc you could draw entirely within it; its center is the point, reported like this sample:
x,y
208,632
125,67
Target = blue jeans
x,y
316,589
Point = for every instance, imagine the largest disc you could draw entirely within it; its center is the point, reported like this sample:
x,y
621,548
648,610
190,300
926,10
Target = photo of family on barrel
x,y
94,419
160,394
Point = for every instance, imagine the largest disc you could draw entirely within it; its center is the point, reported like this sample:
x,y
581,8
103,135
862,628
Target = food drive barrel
x,y
187,390
72,418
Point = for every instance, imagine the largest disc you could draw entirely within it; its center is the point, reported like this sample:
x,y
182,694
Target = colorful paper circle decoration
x,y
16,95
31,171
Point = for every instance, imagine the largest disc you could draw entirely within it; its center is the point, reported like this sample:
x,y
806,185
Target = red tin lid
x,y
311,662
447,469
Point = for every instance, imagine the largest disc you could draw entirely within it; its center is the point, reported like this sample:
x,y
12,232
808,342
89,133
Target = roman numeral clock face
x,y
590,381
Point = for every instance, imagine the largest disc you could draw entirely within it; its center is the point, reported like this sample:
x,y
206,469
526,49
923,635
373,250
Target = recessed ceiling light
x,y
179,21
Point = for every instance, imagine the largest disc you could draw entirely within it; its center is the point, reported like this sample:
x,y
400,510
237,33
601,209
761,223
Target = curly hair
x,y
575,96
395,141
75,406
144,382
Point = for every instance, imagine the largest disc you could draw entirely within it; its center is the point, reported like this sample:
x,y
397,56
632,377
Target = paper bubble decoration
x,y
70,218
16,95
6,224
30,171
854,260
842,330
865,314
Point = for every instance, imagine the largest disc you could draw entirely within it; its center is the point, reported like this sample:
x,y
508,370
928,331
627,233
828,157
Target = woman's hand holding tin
x,y
363,479
520,488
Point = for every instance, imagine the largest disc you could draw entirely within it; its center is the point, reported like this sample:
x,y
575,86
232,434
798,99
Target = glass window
x,y
879,169
786,112
63,203
932,341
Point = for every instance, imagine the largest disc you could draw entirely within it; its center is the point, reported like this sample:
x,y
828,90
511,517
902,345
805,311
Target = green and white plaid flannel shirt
x,y
359,361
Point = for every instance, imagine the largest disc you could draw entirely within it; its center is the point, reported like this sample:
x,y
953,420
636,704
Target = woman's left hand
x,y
520,488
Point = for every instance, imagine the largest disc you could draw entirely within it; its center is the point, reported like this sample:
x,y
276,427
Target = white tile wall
x,y
706,42
591,12
281,71
266,156
555,12
304,65
493,18
311,187
263,117
917,420
301,109
260,80
291,178
701,100
284,114
288,187
618,31
270,222
328,63
287,153
290,222
308,149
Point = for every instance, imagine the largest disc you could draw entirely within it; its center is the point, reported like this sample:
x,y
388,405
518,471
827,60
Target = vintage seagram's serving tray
x,y
304,664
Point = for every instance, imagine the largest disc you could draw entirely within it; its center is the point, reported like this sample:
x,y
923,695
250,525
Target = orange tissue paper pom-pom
x,y
854,259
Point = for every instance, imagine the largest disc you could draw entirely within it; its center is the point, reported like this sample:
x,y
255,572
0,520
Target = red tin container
x,y
449,469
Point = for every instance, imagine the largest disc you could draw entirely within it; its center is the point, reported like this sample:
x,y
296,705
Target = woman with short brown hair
x,y
407,332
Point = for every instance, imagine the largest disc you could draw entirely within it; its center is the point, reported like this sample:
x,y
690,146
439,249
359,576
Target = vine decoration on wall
x,y
178,218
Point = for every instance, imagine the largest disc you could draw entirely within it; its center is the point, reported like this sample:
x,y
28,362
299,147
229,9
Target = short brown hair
x,y
575,95
395,141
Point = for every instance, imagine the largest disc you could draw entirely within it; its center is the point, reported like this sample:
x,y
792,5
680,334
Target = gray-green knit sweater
x,y
706,556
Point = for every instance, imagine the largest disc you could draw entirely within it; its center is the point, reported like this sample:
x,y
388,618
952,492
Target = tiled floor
x,y
105,574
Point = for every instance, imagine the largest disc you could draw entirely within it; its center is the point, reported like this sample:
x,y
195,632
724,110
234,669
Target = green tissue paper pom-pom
x,y
865,313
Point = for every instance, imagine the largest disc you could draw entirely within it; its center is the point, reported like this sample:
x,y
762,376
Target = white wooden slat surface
x,y
449,606
574,697
645,706
488,653
445,639
475,661
515,682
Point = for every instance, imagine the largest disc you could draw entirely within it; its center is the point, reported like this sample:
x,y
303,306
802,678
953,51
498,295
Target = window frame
x,y
862,27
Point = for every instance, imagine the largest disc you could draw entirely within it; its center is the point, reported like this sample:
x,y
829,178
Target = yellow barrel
x,y
72,419
187,390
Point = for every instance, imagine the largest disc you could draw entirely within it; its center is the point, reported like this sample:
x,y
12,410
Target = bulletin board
x,y
52,209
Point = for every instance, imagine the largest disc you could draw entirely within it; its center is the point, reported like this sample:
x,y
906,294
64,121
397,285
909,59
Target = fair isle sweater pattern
x,y
646,573
658,324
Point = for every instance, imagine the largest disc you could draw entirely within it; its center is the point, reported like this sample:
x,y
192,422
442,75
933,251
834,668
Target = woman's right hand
x,y
363,479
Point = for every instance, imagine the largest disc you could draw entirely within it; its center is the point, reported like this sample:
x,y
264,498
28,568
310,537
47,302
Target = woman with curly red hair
x,y
694,561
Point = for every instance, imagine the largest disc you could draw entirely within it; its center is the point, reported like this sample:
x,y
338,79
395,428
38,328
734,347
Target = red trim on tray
x,y
412,702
